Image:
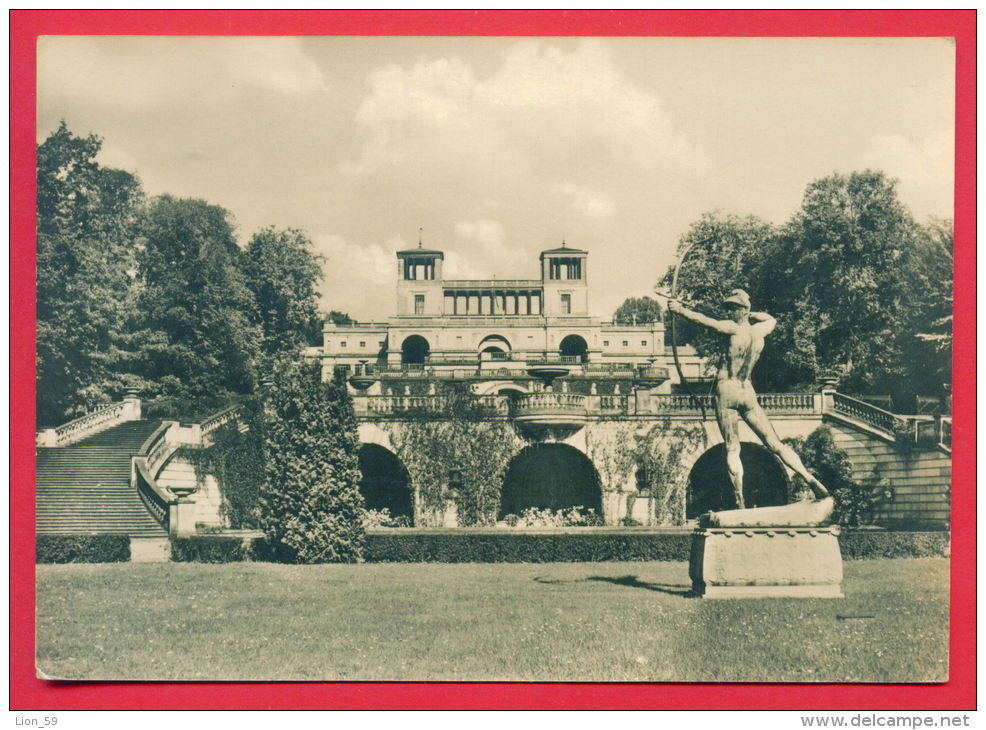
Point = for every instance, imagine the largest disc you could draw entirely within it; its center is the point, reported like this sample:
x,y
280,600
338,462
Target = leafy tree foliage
x,y
838,276
195,335
338,317
310,506
457,453
283,273
928,305
638,310
86,221
857,288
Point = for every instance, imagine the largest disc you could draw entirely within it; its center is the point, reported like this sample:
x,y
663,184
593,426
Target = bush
x,y
215,549
310,506
383,518
82,548
572,517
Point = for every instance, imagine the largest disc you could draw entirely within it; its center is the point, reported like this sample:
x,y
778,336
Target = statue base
x,y
766,562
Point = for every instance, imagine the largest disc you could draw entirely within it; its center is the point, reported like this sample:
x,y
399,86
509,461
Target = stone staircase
x,y
84,488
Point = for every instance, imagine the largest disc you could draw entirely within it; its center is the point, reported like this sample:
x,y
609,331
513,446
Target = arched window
x,y
574,346
415,350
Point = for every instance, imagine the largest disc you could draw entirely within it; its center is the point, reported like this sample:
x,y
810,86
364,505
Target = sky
x,y
499,148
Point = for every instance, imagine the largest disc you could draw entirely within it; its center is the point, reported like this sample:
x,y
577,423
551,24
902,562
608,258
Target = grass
x,y
548,622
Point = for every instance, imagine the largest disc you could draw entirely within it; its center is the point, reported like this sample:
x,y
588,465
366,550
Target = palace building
x,y
493,332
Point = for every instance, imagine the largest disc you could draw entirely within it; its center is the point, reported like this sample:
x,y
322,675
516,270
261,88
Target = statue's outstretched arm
x,y
723,326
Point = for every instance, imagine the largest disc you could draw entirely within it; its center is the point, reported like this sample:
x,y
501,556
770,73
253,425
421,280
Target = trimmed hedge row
x,y
464,546
506,547
871,544
82,548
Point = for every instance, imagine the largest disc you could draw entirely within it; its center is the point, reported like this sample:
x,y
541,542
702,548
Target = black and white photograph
x,y
474,359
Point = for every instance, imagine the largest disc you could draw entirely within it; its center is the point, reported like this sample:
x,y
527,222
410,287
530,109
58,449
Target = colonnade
x,y
492,301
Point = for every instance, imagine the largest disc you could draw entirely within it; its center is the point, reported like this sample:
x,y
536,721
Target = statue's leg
x,y
728,420
761,425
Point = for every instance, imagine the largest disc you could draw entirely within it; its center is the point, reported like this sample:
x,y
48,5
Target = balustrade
x,y
861,411
98,420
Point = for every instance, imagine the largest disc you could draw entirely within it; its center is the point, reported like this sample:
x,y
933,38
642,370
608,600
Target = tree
x,y
310,506
837,278
195,335
283,273
834,278
926,338
638,310
338,317
87,217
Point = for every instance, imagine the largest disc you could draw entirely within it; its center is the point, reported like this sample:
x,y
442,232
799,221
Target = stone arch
x,y
550,476
765,480
574,346
414,350
496,387
384,481
494,340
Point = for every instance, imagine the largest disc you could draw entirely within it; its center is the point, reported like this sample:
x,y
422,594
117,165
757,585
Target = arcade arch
x,y
765,481
550,476
384,482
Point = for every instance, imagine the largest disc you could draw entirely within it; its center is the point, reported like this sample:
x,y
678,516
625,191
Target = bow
x,y
674,337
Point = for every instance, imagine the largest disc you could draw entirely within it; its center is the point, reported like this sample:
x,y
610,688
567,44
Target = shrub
x,y
577,516
310,506
383,518
854,502
82,548
213,549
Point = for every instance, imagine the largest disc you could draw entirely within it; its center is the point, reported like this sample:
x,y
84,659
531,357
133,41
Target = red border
x,y
29,693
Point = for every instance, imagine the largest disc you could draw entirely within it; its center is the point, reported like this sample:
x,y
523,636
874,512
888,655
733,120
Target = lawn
x,y
551,621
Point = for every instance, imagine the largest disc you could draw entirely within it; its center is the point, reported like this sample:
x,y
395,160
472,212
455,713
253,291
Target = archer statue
x,y
742,338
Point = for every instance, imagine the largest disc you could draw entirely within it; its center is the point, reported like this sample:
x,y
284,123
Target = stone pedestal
x,y
766,562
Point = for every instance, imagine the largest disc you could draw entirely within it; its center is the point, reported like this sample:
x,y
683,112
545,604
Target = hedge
x,y
871,544
462,546
403,545
216,549
82,548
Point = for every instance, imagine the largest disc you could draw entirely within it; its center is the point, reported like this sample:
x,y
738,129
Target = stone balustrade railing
x,y
89,424
218,420
553,403
383,406
884,421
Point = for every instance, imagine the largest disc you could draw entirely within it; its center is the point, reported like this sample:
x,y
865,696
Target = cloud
x,y
540,106
138,73
582,201
371,263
